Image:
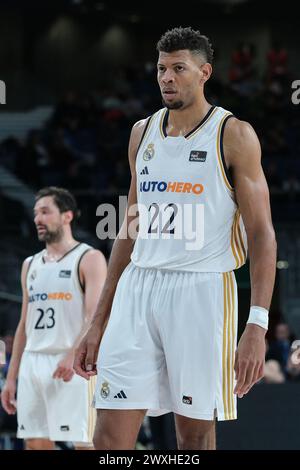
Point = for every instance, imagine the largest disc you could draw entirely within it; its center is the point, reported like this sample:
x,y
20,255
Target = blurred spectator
x,y
277,61
8,340
8,423
279,348
273,372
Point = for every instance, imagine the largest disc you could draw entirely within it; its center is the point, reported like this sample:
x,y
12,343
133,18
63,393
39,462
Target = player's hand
x,y
87,352
8,397
249,359
64,369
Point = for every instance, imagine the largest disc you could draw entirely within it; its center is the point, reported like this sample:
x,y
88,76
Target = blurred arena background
x,y
78,74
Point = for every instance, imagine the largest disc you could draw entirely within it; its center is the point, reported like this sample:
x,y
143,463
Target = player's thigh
x,y
117,429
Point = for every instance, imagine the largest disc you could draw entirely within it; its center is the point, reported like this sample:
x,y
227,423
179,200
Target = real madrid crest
x,y
105,390
149,152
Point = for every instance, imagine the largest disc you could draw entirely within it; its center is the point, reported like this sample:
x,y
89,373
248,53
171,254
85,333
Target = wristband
x,y
259,316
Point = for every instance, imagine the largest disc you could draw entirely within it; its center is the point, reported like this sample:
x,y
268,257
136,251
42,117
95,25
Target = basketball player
x,y
61,289
170,340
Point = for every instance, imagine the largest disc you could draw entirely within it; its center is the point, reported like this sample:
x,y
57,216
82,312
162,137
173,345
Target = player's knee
x,y
110,438
200,439
39,444
106,441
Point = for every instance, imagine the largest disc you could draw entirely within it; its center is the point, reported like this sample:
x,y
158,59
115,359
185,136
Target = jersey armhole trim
x,y
30,263
220,152
145,131
82,287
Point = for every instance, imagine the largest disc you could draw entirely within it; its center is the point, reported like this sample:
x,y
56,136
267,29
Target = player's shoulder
x,y
238,131
138,130
240,143
91,256
25,267
27,261
140,126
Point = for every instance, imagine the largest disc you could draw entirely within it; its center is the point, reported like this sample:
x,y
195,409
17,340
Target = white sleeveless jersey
x,y
55,313
188,217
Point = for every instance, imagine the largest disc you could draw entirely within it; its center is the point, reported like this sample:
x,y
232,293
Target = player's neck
x,y
183,121
54,251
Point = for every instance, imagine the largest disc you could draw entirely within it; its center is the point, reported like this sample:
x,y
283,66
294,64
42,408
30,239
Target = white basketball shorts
x,y
170,344
51,408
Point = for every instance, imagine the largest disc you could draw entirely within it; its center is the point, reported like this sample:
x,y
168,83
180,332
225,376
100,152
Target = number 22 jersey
x,y
188,216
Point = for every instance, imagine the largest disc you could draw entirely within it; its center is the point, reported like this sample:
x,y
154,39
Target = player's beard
x,y
51,236
176,105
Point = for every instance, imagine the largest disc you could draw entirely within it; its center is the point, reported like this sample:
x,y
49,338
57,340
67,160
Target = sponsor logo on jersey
x,y
197,156
65,427
65,273
149,152
50,296
105,390
187,400
144,171
121,394
171,186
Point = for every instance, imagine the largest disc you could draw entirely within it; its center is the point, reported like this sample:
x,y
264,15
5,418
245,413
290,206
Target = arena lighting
x,y
282,264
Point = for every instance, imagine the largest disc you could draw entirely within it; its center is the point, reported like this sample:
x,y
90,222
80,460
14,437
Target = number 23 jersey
x,y
55,312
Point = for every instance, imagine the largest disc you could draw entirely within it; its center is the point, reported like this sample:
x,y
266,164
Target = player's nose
x,y
168,77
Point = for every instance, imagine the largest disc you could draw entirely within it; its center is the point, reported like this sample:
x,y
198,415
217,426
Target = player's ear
x,y
206,71
68,217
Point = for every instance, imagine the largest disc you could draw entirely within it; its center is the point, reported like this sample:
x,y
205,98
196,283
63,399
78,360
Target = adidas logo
x,y
144,171
121,394
22,427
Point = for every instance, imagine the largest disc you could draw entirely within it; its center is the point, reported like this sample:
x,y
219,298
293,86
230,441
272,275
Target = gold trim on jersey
x,y
202,125
161,123
228,185
237,243
228,354
91,411
147,130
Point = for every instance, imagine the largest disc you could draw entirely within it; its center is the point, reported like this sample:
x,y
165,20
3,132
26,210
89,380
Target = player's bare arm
x,y
8,393
92,272
87,352
243,156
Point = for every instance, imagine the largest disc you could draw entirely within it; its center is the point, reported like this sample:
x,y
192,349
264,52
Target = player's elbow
x,y
264,236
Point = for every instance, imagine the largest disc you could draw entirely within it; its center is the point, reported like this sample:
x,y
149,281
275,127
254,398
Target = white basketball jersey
x,y
55,313
188,217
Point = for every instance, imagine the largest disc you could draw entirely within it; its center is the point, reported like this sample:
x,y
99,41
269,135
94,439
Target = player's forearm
x,y
262,252
18,349
83,331
119,259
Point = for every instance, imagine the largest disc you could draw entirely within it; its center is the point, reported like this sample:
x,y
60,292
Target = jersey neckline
x,y
201,123
66,254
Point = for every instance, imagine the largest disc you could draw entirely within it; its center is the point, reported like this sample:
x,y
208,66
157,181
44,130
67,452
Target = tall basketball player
x,y
170,299
61,289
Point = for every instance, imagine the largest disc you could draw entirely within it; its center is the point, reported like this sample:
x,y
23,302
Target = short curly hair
x,y
186,38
